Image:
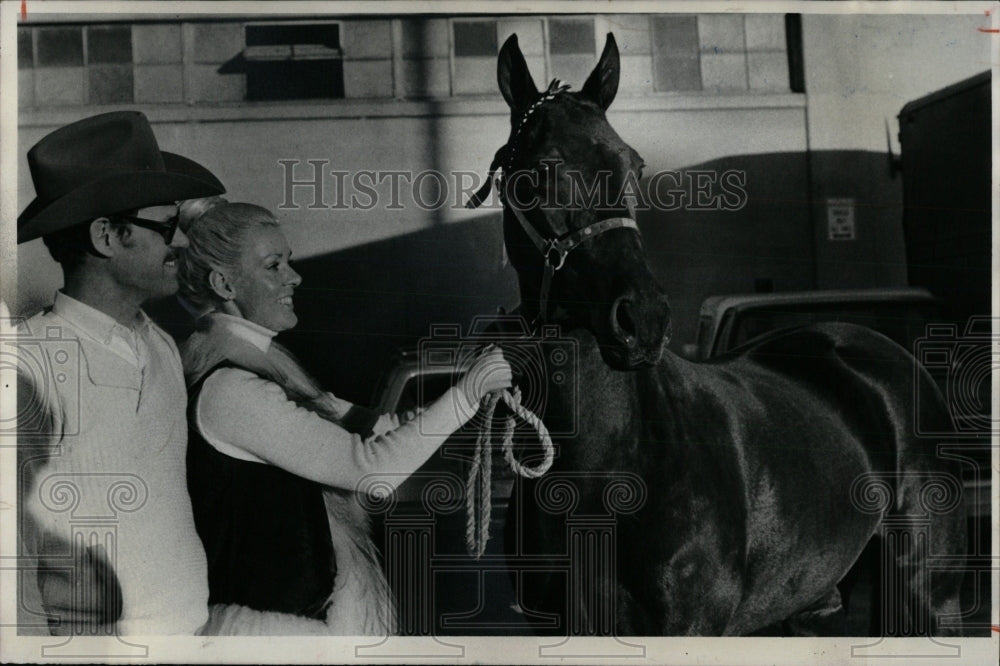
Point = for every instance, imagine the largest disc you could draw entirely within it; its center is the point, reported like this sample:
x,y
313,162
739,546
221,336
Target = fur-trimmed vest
x,y
286,555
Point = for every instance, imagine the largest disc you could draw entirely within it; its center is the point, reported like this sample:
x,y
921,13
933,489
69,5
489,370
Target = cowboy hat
x,y
103,165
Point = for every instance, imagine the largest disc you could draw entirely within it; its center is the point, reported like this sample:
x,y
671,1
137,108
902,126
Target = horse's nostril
x,y
622,321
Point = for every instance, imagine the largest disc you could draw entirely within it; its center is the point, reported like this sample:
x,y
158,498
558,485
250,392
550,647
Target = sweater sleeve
x,y
253,414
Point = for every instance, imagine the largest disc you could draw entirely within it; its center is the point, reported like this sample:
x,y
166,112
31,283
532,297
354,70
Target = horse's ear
x,y
516,84
602,84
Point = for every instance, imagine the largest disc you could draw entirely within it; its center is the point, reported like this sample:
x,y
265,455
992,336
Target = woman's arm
x,y
253,414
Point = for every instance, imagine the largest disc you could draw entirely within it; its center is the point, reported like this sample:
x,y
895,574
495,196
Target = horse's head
x,y
566,177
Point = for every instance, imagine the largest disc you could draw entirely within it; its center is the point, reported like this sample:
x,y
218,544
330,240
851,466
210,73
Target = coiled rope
x,y
477,489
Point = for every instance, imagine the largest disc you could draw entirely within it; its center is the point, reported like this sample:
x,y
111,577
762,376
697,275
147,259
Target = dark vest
x,y
265,530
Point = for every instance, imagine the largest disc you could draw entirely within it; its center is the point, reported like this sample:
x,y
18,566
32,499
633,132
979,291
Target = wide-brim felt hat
x,y
103,165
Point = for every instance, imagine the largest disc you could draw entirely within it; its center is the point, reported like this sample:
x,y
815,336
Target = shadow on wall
x,y
358,306
777,241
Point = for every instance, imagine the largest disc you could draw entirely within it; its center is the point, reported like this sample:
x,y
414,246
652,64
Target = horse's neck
x,y
593,399
609,409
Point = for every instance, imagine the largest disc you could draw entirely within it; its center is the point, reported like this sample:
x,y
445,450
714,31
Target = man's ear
x,y
102,236
220,284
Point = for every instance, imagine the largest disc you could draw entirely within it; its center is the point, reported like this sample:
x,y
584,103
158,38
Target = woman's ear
x,y
221,285
101,235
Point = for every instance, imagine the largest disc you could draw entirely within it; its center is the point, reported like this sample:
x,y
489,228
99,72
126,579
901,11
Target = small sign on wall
x,y
840,219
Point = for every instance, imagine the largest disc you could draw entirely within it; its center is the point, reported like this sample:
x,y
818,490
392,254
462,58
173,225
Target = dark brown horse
x,y
757,479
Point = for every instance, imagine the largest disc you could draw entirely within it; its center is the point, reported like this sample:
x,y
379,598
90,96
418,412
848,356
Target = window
x,y
60,47
571,49
571,36
25,48
109,56
75,65
475,49
676,65
475,38
293,61
425,57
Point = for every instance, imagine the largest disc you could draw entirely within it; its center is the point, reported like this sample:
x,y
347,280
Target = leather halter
x,y
553,250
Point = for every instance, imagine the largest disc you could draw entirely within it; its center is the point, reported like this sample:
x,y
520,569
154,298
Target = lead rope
x,y
477,489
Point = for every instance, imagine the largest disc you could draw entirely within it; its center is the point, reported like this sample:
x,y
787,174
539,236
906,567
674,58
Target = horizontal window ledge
x,y
483,105
291,52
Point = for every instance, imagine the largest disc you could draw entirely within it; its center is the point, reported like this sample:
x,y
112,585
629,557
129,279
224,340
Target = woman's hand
x,y
489,373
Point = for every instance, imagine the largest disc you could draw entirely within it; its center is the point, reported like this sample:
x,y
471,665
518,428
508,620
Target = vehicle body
x,y
729,321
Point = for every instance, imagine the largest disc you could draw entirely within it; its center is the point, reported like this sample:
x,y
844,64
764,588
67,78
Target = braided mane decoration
x,y
504,156
477,488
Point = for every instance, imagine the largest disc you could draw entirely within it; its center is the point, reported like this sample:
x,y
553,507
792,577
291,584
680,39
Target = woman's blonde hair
x,y
216,235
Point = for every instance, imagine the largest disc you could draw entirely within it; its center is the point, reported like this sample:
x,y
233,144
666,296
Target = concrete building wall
x,y
860,71
412,104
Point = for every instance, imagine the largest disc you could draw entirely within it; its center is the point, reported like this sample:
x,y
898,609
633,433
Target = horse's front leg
x,y
826,617
703,604
693,591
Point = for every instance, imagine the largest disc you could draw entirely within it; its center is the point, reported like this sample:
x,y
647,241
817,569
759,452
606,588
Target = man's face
x,y
144,261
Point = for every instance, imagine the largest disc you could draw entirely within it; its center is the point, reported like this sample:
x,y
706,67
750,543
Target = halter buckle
x,y
560,255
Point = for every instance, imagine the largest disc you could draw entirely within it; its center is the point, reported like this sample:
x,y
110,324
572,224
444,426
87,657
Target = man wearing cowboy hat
x,y
105,518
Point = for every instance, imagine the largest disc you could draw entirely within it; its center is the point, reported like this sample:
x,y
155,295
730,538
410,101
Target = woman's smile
x,y
265,281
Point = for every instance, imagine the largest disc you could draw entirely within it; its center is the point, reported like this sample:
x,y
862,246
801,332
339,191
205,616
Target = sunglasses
x,y
166,228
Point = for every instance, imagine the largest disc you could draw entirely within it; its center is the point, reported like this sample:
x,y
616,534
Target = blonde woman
x,y
272,470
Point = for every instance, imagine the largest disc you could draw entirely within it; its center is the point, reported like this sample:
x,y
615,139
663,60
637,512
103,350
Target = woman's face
x,y
264,280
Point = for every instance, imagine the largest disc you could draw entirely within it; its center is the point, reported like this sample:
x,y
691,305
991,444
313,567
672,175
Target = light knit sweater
x,y
251,418
108,461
